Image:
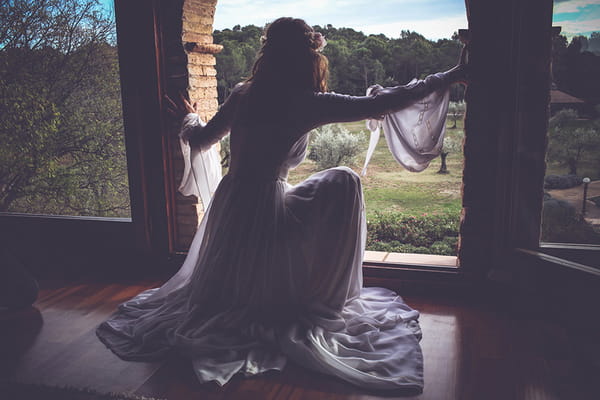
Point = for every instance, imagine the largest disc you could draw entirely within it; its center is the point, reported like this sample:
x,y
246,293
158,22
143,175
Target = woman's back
x,y
264,130
275,272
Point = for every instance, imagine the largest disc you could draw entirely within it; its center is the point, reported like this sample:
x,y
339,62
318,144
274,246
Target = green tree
x,y
570,140
456,109
594,43
61,123
356,60
450,145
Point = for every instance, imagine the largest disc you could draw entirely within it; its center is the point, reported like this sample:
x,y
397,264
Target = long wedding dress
x,y
274,271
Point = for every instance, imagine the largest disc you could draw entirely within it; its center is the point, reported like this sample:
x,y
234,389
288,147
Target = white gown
x,y
274,271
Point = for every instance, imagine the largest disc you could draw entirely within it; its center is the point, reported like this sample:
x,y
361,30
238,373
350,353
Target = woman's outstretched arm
x,y
330,107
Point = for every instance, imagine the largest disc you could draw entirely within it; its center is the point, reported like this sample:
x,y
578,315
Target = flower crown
x,y
317,40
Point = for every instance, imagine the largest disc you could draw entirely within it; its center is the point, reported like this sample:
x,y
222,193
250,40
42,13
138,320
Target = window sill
x,y
558,261
63,217
391,259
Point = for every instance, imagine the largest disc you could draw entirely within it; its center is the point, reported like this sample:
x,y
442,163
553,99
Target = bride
x,y
274,271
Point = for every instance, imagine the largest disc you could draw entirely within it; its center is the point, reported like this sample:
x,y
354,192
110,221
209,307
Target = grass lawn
x,y
389,187
394,195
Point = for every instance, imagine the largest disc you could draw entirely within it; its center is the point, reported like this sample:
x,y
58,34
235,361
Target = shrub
x,y
333,145
562,223
225,152
562,181
425,234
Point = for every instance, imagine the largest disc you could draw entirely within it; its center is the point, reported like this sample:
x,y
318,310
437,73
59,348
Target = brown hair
x,y
289,58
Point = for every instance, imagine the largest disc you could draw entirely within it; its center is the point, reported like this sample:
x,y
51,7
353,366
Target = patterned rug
x,y
24,391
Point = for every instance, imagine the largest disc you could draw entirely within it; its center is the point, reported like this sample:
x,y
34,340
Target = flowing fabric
x,y
414,134
201,169
274,270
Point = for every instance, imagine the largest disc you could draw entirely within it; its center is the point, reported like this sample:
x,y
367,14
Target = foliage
x,y
234,63
333,145
61,126
571,139
575,65
356,60
561,223
562,181
225,151
425,234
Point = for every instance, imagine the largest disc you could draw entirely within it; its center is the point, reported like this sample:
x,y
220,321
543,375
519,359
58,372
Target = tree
x,y
575,67
456,109
570,139
594,43
450,145
356,60
61,124
333,145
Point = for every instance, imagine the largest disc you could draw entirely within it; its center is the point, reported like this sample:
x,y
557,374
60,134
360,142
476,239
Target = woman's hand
x,y
460,73
182,108
464,54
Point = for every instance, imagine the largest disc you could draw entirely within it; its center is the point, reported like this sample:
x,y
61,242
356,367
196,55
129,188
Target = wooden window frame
x,y
502,205
86,243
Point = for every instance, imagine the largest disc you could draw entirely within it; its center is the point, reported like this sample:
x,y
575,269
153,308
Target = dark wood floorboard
x,y
472,351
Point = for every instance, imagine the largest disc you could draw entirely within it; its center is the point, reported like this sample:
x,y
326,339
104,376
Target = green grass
x,y
388,187
392,192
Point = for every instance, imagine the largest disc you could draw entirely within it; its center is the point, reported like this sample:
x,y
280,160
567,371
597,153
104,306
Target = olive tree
x,y
570,140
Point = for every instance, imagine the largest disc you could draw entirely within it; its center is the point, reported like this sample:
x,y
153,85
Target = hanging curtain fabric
x,y
415,134
202,169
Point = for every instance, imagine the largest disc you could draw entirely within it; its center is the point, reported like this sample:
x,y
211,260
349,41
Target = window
x,y
63,147
571,212
407,212
69,244
527,154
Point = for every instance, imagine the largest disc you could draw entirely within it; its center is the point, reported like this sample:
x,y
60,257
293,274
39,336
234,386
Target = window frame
x,y
527,154
508,237
145,232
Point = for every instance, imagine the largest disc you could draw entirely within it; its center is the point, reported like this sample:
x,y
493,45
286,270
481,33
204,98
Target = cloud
x,y
438,28
575,27
572,6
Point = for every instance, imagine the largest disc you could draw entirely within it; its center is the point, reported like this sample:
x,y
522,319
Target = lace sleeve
x,y
330,107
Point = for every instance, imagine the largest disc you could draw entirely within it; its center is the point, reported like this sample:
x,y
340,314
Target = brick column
x,y
192,69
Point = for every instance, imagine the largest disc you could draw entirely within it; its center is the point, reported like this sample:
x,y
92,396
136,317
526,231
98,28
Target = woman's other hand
x,y
181,108
460,73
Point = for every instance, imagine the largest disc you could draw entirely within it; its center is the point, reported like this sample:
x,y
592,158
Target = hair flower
x,y
319,41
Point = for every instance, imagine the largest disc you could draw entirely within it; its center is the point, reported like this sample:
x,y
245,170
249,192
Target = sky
x,y
577,17
434,19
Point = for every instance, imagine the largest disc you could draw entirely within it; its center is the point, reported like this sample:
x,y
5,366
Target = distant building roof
x,y
558,97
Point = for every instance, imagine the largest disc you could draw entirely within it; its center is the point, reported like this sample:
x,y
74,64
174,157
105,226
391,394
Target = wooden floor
x,y
471,352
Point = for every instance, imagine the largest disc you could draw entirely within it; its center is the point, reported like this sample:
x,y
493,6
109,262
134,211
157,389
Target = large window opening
x,y
413,218
571,213
61,124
